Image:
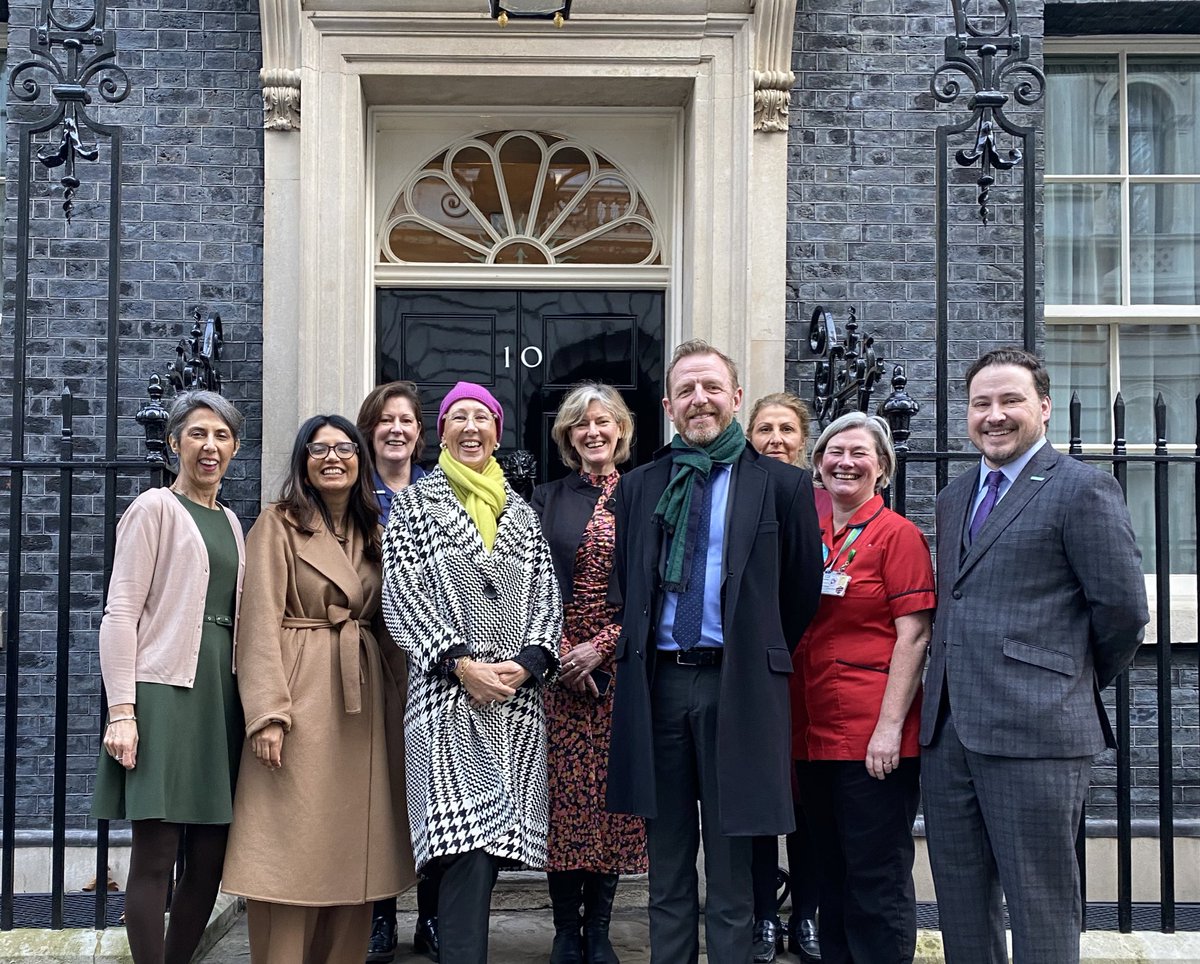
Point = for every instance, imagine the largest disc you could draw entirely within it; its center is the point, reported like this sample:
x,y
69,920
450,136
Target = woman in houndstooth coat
x,y
470,596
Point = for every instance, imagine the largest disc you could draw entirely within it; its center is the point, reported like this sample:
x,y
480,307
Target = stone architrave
x,y
280,74
773,77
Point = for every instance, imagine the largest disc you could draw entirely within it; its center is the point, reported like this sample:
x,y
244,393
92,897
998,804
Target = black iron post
x,y
990,52
74,54
898,409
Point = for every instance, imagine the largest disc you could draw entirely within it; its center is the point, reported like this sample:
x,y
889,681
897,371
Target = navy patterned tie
x,y
689,609
994,478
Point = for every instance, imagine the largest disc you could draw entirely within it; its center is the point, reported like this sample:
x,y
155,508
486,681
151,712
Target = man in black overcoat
x,y
719,565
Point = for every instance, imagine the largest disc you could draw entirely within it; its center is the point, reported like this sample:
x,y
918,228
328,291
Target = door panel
x,y
529,348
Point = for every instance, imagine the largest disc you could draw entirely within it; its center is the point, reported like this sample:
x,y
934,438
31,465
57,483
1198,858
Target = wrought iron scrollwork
x,y
1003,57
196,357
847,374
194,367
75,53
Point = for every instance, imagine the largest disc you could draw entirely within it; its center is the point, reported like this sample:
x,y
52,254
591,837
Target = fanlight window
x,y
520,198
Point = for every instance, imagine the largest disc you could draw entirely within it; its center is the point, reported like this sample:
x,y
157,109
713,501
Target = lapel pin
x,y
1037,478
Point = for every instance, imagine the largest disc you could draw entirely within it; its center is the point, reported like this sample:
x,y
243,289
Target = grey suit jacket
x,y
1045,608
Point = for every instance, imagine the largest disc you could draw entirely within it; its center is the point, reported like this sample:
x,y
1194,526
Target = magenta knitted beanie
x,y
476,393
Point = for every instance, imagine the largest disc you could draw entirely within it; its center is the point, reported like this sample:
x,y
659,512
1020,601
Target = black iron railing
x,y
1116,458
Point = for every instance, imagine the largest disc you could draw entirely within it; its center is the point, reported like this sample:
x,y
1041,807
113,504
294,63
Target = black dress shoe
x,y
425,938
765,936
802,939
382,948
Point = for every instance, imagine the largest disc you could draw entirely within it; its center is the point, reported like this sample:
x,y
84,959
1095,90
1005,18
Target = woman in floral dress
x,y
588,847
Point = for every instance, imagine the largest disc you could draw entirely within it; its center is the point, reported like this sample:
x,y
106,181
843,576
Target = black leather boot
x,y
425,936
598,893
566,897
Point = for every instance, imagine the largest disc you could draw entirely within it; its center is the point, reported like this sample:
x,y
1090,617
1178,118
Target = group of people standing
x,y
405,671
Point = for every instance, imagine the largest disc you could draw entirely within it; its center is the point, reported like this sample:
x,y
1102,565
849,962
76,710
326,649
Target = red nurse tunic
x,y
841,664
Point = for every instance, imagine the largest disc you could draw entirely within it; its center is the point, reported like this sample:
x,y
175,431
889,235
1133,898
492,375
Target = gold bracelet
x,y
461,664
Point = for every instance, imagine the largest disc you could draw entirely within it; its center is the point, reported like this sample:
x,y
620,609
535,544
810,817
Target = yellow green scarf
x,y
481,493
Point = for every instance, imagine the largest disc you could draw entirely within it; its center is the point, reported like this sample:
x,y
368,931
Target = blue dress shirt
x,y
711,634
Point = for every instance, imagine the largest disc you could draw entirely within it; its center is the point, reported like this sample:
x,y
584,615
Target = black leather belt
x,y
700,656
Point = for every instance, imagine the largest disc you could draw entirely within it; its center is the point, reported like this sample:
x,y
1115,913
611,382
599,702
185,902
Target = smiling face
x,y
776,432
331,476
469,433
1005,415
850,469
701,400
395,435
204,446
595,440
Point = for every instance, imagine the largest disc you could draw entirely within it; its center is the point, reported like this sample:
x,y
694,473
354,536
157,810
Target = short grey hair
x,y
880,432
573,411
185,403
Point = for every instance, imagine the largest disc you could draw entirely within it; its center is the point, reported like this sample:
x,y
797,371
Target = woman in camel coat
x,y
315,836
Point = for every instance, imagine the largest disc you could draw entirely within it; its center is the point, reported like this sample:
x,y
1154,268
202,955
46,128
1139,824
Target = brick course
x,y
191,238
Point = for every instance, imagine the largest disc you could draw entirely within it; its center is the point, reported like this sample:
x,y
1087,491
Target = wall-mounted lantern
x,y
557,10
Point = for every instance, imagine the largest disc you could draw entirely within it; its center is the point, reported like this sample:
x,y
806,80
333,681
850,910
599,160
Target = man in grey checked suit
x,y
1041,604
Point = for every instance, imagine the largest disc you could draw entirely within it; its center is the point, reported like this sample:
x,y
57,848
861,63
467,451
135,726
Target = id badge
x,y
834,584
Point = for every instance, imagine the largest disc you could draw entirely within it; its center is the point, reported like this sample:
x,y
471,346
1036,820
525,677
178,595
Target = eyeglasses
x,y
474,418
343,450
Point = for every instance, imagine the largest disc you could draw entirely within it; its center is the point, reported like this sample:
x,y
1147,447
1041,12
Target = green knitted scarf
x,y
675,506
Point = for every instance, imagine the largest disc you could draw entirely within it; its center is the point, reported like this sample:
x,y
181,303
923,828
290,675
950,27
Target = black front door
x,y
529,348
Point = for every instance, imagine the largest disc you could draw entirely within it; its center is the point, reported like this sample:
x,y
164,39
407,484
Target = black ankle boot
x,y
425,937
566,897
598,893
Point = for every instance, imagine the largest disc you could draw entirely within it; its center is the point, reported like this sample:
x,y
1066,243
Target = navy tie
x,y
994,478
689,609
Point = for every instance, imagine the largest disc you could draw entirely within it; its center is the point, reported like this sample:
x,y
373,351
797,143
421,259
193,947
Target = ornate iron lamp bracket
x,y
846,375
1002,53
75,53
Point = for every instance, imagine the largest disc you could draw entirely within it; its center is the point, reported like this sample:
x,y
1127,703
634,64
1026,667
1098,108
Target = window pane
x,y
1082,116
1083,237
1159,358
1163,104
1077,359
1164,245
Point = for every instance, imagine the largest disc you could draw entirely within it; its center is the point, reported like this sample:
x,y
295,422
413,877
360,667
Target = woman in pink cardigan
x,y
174,730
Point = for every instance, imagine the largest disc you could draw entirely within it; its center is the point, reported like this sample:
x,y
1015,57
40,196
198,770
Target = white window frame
x,y
1127,314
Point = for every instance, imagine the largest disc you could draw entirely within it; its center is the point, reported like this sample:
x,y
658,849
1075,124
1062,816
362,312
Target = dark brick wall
x,y
191,237
861,202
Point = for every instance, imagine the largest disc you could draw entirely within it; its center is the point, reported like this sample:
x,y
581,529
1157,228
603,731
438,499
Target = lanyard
x,y
855,532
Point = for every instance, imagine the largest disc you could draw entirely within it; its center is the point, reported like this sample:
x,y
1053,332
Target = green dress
x,y
189,740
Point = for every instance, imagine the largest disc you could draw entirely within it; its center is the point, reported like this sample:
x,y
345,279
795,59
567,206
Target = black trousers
x,y
862,828
427,896
464,905
802,868
685,764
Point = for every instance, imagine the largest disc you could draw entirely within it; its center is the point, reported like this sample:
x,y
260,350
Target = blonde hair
x,y
880,432
797,406
573,411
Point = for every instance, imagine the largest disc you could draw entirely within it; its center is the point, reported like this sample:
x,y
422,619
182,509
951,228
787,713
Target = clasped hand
x,y
577,666
488,683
